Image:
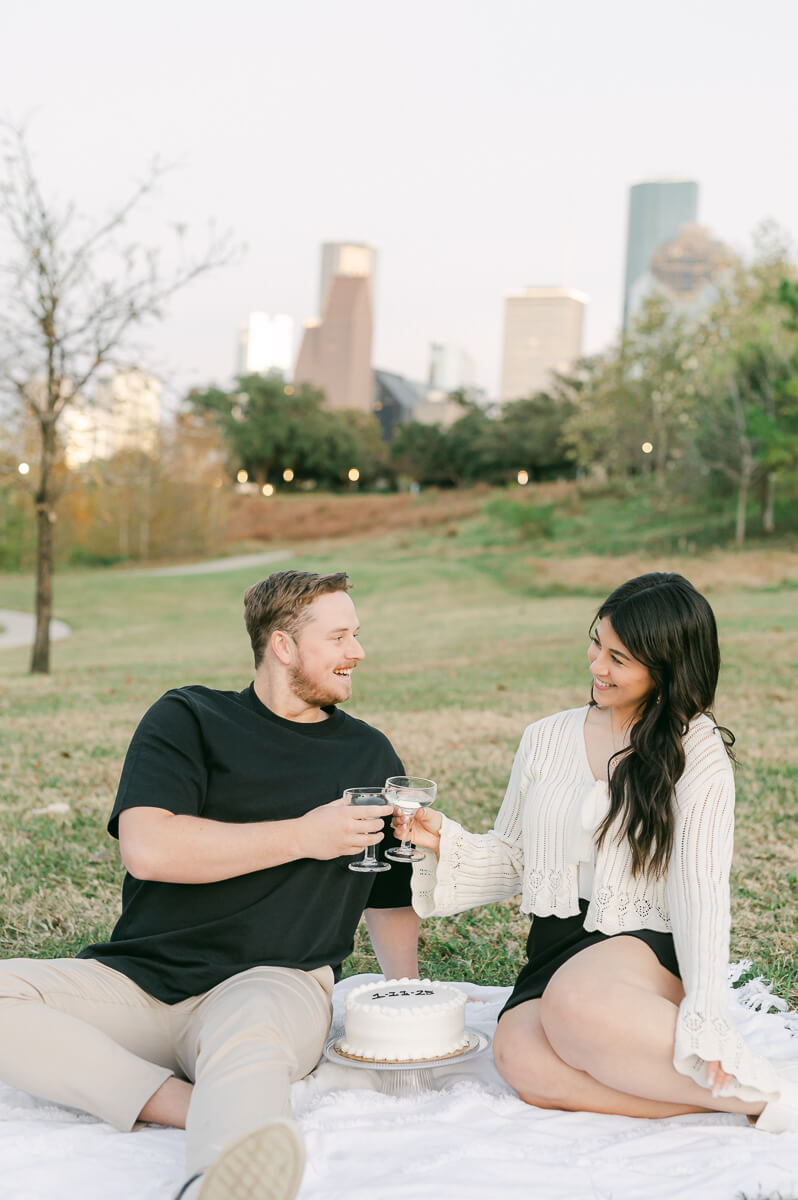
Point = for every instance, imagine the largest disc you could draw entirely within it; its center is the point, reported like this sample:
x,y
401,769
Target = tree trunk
x,y
768,502
124,523
144,523
742,502
45,543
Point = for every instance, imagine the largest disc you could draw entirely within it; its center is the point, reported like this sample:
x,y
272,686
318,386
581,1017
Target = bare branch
x,y
73,295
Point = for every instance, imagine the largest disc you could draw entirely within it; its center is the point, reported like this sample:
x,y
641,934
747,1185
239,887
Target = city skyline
x,y
461,171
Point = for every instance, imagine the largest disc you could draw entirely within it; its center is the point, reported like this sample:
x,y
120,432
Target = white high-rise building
x,y
265,344
450,368
125,414
542,333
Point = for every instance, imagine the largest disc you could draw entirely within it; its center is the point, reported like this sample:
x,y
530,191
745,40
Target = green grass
x,y
468,639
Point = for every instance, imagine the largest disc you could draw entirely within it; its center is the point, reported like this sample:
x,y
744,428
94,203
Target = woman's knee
x,y
528,1065
575,1002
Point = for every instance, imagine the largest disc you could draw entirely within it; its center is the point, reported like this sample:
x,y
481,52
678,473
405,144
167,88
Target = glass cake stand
x,y
414,1075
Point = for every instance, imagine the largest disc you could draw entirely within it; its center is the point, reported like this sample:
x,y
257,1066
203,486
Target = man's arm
x,y
172,847
394,936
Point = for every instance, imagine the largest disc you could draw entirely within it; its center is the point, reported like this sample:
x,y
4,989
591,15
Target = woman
x,y
617,828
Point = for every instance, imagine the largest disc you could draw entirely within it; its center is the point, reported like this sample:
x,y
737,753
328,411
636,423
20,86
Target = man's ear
x,y
282,646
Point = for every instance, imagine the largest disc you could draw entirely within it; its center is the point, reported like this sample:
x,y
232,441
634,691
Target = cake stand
x,y
414,1075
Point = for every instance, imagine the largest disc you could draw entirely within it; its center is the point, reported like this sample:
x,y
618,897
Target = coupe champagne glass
x,y
367,795
407,794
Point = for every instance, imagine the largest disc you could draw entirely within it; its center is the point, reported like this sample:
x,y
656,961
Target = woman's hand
x,y
422,827
718,1079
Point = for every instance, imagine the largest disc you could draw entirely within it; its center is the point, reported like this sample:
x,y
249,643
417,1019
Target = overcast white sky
x,y
480,145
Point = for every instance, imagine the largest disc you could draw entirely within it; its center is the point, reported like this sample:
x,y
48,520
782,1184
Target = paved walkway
x,y
18,628
217,564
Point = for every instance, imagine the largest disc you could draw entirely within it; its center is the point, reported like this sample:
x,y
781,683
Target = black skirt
x,y
553,940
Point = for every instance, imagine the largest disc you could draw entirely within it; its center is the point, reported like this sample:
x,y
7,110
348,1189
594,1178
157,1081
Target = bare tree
x,y
75,289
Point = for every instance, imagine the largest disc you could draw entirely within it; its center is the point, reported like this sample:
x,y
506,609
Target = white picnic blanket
x,y
464,1136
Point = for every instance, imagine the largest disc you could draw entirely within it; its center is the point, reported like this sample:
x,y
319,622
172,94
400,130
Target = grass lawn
x,y
468,640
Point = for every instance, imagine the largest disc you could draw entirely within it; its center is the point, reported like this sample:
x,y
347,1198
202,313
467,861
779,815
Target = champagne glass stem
x,y
407,841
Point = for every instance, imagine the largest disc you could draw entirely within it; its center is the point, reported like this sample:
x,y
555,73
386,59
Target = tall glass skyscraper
x,y
657,211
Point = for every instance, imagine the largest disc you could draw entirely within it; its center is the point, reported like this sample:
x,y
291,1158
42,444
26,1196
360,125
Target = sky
x,y
481,146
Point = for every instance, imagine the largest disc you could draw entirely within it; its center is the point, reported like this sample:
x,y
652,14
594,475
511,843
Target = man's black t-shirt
x,y
226,757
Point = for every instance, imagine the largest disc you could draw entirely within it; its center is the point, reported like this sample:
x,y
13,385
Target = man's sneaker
x,y
266,1164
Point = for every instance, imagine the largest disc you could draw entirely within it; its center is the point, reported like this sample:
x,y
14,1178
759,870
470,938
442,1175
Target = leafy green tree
x,y
472,446
640,393
530,434
748,350
260,422
481,446
608,422
419,452
269,426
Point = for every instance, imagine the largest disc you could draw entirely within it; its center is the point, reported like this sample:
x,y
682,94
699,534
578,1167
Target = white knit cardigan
x,y
550,811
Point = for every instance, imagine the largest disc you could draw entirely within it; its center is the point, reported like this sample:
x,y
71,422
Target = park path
x,y
235,563
18,628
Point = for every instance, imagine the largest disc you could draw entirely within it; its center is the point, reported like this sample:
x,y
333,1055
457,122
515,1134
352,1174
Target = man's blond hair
x,y
280,602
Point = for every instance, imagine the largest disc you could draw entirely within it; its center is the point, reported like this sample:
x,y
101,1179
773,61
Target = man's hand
x,y
176,848
339,828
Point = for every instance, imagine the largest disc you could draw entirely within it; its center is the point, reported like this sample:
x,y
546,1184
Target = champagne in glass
x,y
407,794
361,796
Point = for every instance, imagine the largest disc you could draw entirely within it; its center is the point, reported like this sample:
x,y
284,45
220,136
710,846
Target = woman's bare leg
x,y
525,1058
601,1039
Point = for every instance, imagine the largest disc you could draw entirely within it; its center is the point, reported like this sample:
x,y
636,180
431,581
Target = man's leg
x,y
245,1043
76,1032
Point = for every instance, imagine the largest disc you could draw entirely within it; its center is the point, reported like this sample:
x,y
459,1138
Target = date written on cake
x,y
402,992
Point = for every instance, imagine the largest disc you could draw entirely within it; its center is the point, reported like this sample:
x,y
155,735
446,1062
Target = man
x,y
213,994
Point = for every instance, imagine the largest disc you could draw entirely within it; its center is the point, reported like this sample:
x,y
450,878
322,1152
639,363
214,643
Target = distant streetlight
x,y
242,476
523,478
647,447
288,474
268,489
353,474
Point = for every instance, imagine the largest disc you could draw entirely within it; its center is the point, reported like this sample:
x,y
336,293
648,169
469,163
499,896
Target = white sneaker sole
x,y
266,1164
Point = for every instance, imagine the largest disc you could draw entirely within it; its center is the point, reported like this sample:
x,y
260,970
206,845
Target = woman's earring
x,y
658,698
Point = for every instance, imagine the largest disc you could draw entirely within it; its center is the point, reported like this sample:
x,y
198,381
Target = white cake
x,y
404,1019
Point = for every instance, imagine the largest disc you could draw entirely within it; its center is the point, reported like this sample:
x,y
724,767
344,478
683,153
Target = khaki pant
x,y
79,1033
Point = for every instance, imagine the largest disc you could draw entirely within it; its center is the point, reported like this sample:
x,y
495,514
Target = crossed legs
x,y
601,1037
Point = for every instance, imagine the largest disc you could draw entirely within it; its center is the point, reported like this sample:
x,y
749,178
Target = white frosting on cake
x,y
404,1019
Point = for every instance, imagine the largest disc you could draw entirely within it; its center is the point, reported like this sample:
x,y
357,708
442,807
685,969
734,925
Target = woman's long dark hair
x,y
669,627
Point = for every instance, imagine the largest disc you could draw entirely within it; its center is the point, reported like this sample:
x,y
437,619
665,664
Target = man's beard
x,y
308,691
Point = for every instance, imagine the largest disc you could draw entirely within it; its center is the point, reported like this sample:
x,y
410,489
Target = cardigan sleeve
x,y
477,868
699,901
